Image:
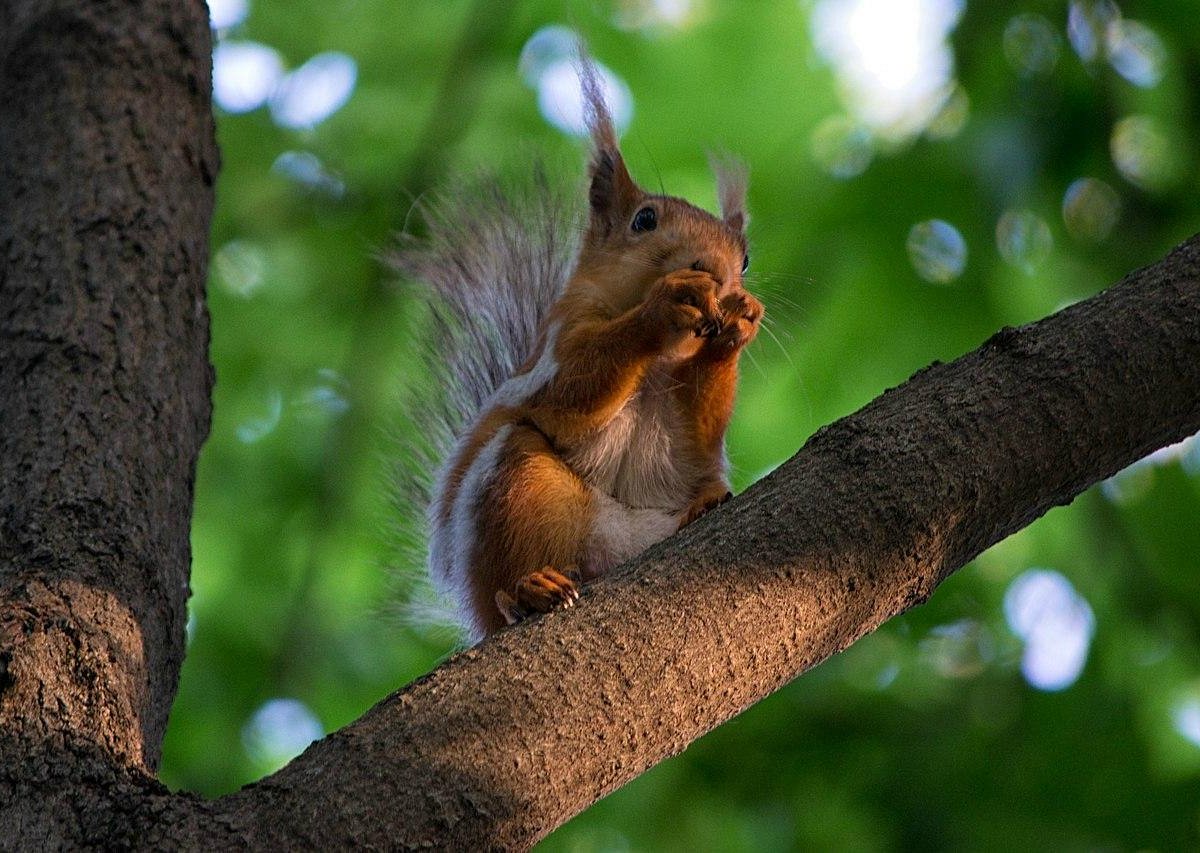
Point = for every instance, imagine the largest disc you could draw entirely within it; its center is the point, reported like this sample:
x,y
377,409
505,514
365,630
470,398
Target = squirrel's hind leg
x,y
533,522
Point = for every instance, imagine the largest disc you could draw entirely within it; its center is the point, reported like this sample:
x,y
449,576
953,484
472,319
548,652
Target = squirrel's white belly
x,y
640,480
636,458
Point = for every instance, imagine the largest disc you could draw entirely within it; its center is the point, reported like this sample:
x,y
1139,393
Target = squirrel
x,y
592,387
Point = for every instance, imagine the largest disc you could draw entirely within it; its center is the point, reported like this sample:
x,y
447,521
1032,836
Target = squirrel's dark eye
x,y
645,220
745,262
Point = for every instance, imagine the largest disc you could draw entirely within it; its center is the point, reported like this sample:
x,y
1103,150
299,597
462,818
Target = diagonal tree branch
x,y
510,739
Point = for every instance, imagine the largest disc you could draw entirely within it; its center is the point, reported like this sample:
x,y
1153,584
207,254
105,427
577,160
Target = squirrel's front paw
x,y
684,303
539,592
742,313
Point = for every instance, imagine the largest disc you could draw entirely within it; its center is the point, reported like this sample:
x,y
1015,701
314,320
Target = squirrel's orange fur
x,y
611,436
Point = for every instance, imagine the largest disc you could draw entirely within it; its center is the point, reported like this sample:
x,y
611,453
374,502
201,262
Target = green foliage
x,y
924,735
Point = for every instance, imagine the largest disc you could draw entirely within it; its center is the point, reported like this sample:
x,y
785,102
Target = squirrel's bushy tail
x,y
492,262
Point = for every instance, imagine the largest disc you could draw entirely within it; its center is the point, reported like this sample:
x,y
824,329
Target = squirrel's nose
x,y
714,270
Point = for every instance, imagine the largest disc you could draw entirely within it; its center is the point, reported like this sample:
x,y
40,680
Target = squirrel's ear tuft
x,y
612,193
732,179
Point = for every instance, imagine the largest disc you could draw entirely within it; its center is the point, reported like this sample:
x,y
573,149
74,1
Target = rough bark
x,y
106,160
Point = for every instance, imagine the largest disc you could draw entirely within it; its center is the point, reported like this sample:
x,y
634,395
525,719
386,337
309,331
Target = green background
x,y
924,735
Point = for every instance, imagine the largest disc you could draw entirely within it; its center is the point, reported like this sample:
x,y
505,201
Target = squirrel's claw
x,y
540,592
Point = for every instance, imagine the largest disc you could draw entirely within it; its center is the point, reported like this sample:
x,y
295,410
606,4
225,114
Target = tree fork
x,y
106,169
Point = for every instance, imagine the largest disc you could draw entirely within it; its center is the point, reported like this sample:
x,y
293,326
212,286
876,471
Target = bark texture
x,y
107,159
106,164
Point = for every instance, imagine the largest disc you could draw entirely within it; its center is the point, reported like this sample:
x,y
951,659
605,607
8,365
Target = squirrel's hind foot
x,y
540,592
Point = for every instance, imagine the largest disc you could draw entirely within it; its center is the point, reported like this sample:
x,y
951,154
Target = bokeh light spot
x,y
1056,623
1023,239
1087,26
260,426
1141,152
279,731
544,48
223,14
842,147
307,170
326,397
240,267
1031,45
891,57
314,91
1129,485
654,14
560,97
1136,52
1132,482
937,251
245,73
1185,717
952,116
1090,209
959,649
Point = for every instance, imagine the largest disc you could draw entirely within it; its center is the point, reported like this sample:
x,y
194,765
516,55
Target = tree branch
x,y
510,739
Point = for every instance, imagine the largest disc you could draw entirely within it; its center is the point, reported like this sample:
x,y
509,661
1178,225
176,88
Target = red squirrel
x,y
596,395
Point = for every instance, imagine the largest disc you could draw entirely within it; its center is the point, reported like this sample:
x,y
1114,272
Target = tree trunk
x,y
107,161
106,165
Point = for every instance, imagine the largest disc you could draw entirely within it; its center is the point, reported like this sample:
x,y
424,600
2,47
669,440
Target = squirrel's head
x,y
633,237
